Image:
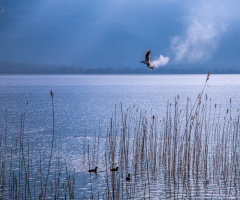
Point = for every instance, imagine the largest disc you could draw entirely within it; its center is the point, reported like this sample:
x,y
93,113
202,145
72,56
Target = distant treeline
x,y
27,68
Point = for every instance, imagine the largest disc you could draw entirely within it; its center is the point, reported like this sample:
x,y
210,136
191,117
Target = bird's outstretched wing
x,y
147,56
150,66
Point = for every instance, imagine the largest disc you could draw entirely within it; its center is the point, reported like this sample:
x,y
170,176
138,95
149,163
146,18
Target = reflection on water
x,y
171,146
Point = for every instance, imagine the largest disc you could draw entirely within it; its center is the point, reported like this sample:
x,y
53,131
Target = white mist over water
x,y
205,24
199,41
161,61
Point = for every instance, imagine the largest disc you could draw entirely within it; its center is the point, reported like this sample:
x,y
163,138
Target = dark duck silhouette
x,y
114,169
93,170
128,178
147,60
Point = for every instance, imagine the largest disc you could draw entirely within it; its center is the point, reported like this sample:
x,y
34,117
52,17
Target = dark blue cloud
x,y
112,33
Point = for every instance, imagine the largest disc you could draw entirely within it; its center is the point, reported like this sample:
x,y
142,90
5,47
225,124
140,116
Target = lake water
x,y
83,107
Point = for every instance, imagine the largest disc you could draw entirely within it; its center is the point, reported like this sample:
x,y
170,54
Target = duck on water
x,y
93,170
114,169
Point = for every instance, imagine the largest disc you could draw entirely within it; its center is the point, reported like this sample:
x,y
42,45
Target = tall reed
x,y
185,153
19,178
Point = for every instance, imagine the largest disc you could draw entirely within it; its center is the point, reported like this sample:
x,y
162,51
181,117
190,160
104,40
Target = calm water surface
x,y
84,105
81,102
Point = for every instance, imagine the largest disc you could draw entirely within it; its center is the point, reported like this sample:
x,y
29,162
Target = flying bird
x,y
147,60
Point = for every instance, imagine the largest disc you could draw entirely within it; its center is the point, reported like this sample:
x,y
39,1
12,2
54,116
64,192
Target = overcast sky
x,y
117,33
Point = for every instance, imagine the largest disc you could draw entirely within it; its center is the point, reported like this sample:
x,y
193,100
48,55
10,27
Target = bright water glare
x,y
83,108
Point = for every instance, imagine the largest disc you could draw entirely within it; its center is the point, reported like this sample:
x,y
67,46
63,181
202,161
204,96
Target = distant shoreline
x,y
28,68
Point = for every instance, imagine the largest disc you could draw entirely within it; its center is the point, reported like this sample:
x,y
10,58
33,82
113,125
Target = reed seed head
x,y
208,76
51,92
